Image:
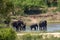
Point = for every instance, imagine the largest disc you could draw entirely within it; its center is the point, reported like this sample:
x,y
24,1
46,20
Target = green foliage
x,y
6,7
59,5
22,4
52,3
11,5
7,34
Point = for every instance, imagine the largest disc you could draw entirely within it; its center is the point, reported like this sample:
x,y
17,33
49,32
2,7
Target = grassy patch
x,y
37,37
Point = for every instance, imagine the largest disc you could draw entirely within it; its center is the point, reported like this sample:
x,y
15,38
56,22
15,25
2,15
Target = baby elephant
x,y
35,26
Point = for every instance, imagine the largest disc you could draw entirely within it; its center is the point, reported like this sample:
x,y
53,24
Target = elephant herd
x,y
20,25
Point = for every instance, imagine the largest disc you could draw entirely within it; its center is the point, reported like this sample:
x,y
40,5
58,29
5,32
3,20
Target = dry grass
x,y
51,18
38,36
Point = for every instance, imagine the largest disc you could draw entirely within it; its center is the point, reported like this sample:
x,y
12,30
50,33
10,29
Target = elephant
x,y
22,25
35,26
19,25
43,25
15,25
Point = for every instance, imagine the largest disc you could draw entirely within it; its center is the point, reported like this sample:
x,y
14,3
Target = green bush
x,y
7,34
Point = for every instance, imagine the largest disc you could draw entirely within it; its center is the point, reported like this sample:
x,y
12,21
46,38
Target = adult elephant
x,y
22,25
35,26
15,25
43,25
19,25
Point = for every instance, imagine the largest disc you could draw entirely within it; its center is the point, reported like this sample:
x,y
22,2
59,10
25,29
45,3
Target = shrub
x,y
7,34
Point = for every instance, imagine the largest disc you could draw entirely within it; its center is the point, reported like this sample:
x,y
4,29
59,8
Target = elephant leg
x,y
20,29
44,28
24,28
17,29
35,28
31,28
40,28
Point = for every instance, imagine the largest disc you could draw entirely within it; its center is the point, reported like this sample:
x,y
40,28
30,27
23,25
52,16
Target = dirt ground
x,y
48,35
50,17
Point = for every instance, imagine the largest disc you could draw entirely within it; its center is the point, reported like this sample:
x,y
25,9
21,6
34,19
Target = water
x,y
50,28
53,27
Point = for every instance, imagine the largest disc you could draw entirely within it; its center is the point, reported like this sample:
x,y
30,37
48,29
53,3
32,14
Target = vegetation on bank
x,y
17,7
37,37
9,8
7,34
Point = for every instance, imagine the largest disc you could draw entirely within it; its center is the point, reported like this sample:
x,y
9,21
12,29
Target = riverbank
x,y
29,20
38,36
49,16
44,34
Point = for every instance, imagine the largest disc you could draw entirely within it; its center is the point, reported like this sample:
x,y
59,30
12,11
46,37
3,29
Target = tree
x,y
6,7
22,4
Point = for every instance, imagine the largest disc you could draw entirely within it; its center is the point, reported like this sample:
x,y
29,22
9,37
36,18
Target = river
x,y
50,27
